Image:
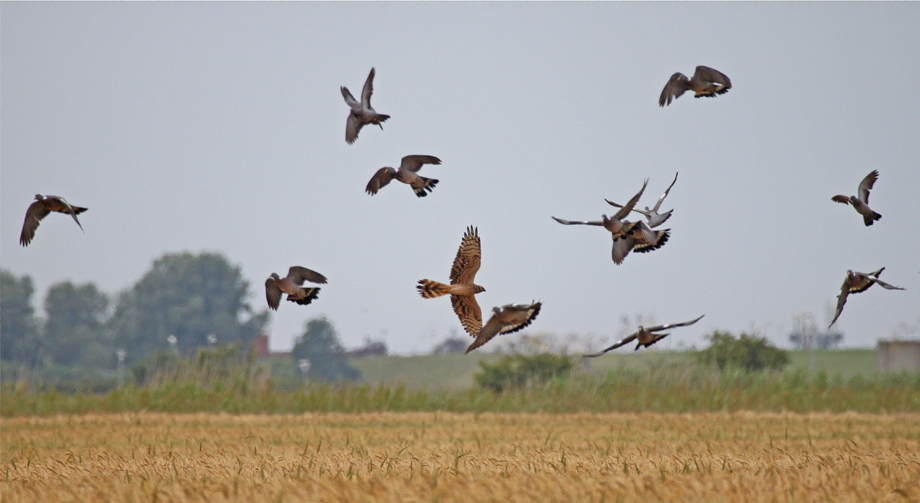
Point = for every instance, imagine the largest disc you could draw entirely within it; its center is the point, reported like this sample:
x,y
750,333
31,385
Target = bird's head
x,y
39,197
275,276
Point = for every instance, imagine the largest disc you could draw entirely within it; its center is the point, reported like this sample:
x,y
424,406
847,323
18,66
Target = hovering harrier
x,y
462,290
275,286
361,113
705,82
857,282
41,208
646,336
861,203
405,174
654,218
505,320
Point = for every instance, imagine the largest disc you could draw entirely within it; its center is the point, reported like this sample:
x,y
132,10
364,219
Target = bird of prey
x,y
627,235
505,320
275,286
857,282
861,202
41,208
705,82
405,174
646,336
462,290
361,113
654,218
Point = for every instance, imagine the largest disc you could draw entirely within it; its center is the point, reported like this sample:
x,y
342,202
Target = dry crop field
x,y
394,457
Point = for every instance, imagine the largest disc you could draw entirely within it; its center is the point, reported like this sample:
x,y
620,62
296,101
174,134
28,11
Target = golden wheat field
x,y
396,457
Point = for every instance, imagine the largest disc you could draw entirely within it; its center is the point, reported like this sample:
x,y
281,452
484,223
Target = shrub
x,y
749,352
518,371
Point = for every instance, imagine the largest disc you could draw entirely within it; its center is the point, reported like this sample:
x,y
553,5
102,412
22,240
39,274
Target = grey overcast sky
x,y
220,127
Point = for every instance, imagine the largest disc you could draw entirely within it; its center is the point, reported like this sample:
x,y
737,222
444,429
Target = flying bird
x,y
405,174
857,282
462,290
705,82
654,218
41,208
646,336
505,320
861,203
291,285
361,113
615,223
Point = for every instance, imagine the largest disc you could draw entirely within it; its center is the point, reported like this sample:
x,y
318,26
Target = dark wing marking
x,y
523,315
468,311
663,237
467,261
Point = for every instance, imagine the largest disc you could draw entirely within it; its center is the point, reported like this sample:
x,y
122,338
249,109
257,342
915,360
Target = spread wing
x,y
577,222
886,285
349,99
352,128
841,199
34,216
380,179
272,294
624,211
299,274
514,317
706,74
622,245
466,263
661,199
641,212
841,300
662,236
414,163
60,205
674,325
617,344
368,89
866,184
468,311
676,86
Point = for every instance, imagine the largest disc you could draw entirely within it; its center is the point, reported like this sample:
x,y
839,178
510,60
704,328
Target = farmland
x,y
438,456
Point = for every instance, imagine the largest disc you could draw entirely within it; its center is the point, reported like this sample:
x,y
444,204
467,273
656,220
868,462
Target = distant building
x,y
450,346
262,350
370,348
896,356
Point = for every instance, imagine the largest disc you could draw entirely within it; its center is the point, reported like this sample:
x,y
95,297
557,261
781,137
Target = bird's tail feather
x,y
430,289
307,295
427,184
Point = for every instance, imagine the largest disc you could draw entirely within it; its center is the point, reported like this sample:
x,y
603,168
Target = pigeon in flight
x,y
405,174
861,203
41,208
705,82
654,218
361,113
646,336
276,285
505,320
857,282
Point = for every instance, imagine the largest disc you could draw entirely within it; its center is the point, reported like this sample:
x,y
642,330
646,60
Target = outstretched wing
x,y
380,179
866,185
674,325
617,344
468,311
622,245
368,89
466,263
349,99
299,274
352,128
676,86
577,222
661,199
662,238
414,163
624,211
841,199
616,205
514,317
34,216
706,74
60,205
841,300
272,294
886,285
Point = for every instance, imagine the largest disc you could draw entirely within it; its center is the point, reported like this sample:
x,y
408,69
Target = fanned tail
x,y
426,184
430,289
307,295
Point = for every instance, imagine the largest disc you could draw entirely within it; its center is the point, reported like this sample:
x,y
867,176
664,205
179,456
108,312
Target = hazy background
x,y
220,127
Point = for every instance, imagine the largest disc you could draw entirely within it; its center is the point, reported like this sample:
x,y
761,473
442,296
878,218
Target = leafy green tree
x,y
518,371
18,330
321,346
189,296
750,352
74,331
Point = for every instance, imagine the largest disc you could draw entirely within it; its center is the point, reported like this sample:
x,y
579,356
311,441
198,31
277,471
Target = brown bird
x,y
705,82
462,290
276,285
406,174
861,203
361,113
857,282
646,336
41,208
505,320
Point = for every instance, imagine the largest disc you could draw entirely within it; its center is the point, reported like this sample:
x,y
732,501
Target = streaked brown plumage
x,y
275,286
41,208
462,289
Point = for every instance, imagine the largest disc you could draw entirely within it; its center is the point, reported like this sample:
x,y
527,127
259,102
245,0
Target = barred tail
x,y
430,289
427,184
307,295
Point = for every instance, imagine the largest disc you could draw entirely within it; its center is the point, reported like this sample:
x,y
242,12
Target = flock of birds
x,y
639,236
